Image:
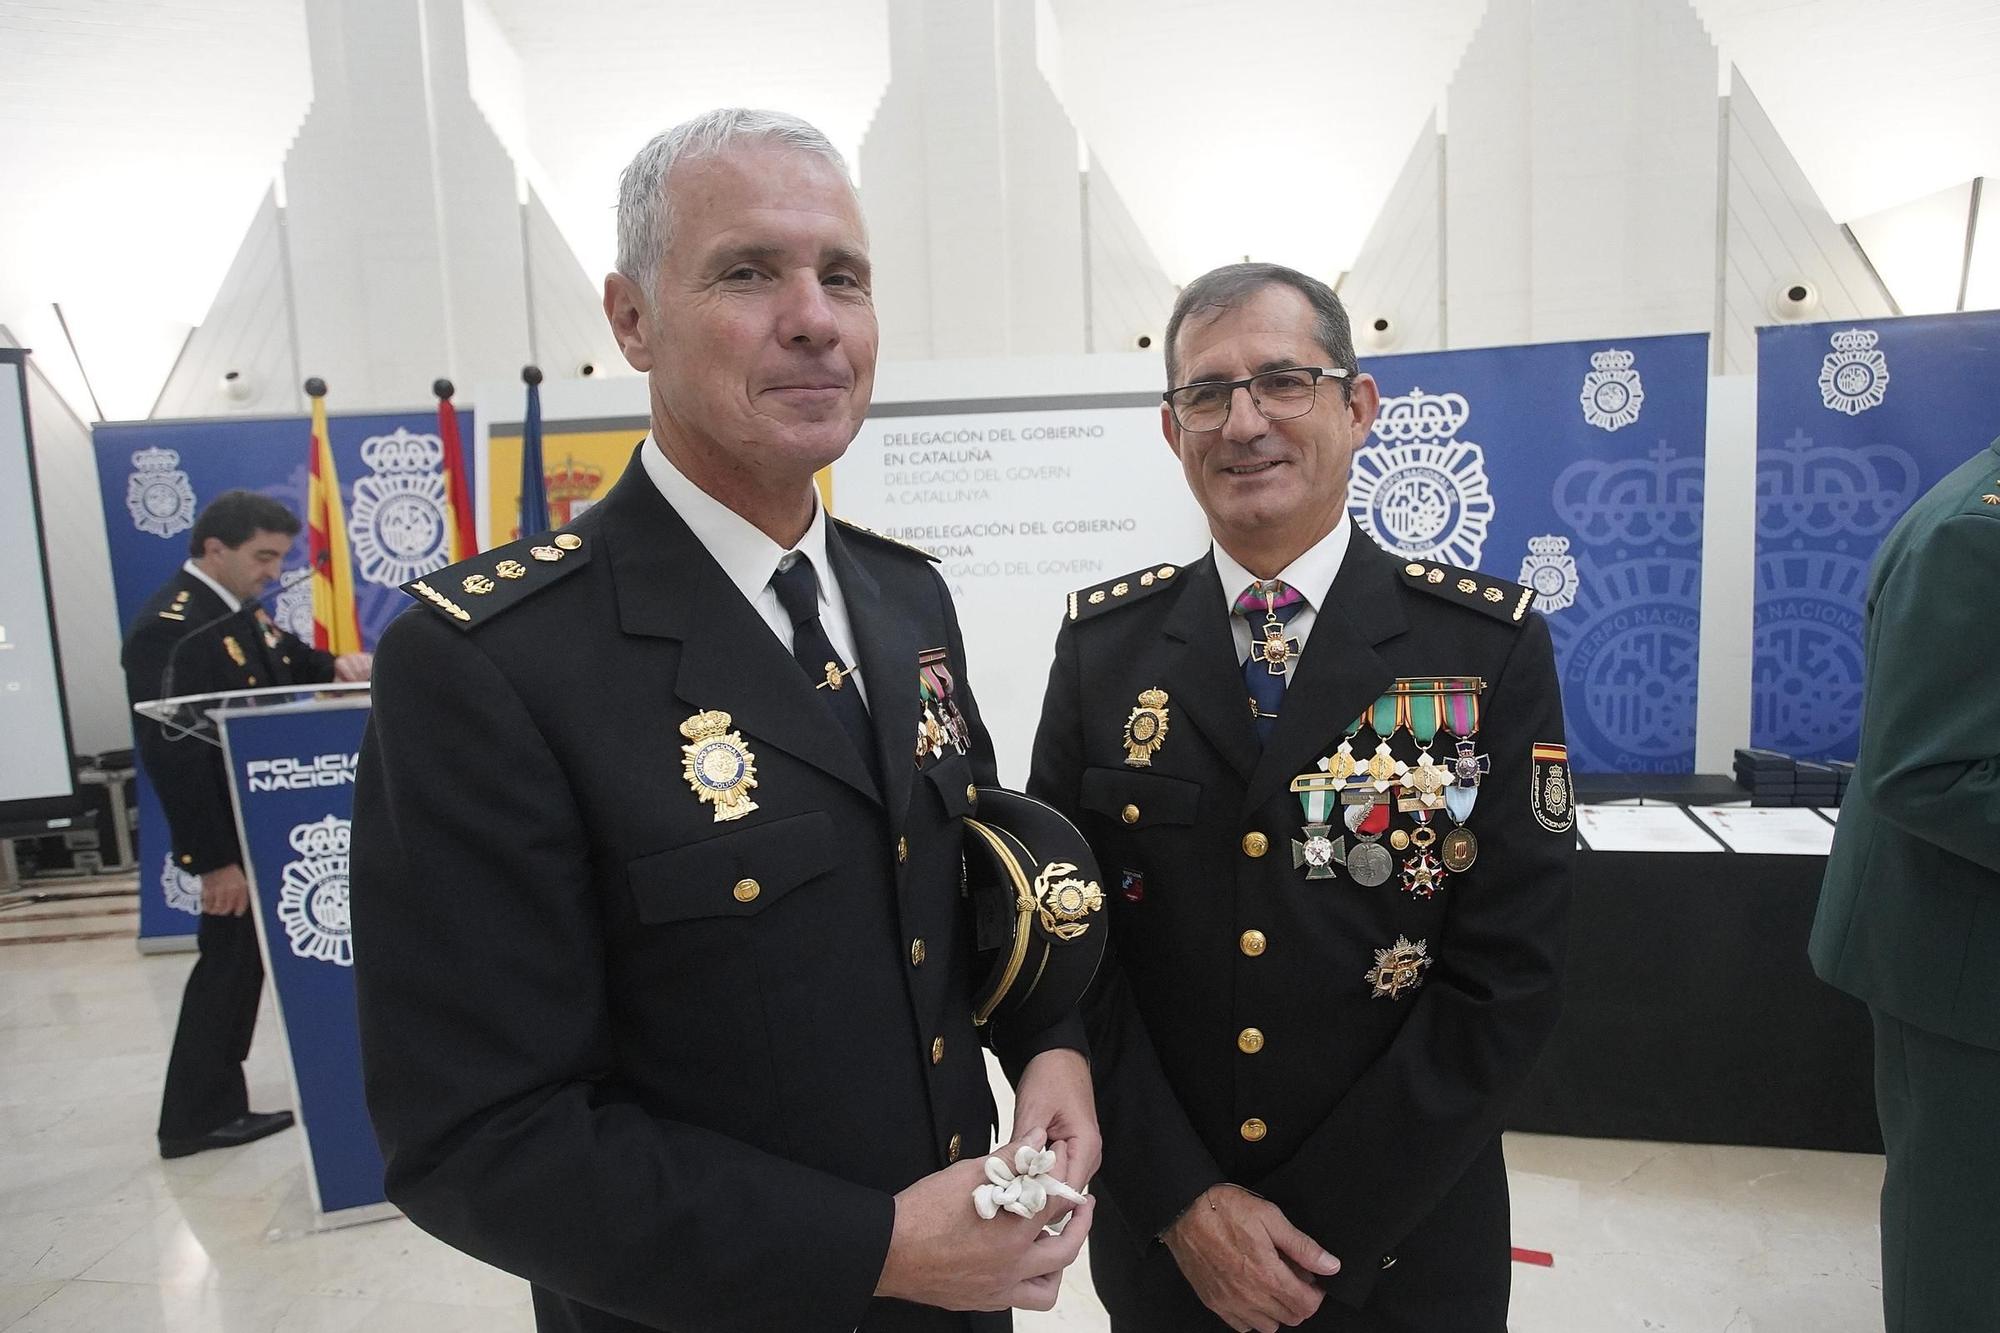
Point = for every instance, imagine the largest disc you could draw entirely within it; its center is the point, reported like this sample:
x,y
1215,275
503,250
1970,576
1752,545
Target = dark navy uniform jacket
x,y
1237,1034
671,1070
187,626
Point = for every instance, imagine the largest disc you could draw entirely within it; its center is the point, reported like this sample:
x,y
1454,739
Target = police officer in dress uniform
x,y
1909,916
665,975
1327,789
203,632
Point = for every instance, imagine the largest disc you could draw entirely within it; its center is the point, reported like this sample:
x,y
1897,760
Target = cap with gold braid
x,y
1038,910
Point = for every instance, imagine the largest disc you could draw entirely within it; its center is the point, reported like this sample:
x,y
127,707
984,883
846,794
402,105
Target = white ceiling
x,y
141,133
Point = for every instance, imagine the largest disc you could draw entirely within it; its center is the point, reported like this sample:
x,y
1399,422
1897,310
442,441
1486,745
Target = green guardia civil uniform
x,y
1909,918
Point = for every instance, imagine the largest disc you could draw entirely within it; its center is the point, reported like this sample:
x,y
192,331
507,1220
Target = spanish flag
x,y
462,531
335,627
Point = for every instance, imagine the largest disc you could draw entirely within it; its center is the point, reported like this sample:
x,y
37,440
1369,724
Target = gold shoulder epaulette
x,y
1471,589
1127,588
885,538
474,591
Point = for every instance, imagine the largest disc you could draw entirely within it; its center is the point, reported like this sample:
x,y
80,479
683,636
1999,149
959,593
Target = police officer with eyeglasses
x,y
1326,786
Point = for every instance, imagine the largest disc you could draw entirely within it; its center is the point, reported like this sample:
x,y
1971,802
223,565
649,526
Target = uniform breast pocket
x,y
952,777
1140,800
740,873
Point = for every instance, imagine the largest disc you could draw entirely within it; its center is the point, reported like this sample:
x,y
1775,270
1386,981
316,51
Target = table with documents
x,y
1691,1012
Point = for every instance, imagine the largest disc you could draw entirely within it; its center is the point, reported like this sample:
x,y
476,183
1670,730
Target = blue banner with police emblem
x,y
1854,422
1577,469
154,477
292,768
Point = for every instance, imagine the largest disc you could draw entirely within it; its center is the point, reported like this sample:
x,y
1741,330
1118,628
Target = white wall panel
x,y
1778,233
1130,294
248,329
1399,274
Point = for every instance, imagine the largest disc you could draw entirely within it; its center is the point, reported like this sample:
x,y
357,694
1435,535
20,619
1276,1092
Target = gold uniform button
x,y
937,1050
187,860
1255,844
1250,1041
971,794
951,1149
902,850
1130,814
746,890
1251,942
1253,1130
917,952
568,541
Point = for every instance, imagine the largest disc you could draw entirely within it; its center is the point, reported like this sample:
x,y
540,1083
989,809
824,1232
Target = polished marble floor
x,y
98,1235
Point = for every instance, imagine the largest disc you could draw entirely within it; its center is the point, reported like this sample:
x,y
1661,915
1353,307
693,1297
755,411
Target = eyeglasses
x,y
1278,394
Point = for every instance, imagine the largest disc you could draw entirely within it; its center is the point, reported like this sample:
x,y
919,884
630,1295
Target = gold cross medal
x,y
1276,649
1146,729
717,765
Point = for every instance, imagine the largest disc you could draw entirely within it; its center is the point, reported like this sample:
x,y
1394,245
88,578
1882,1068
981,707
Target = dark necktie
x,y
1268,608
798,592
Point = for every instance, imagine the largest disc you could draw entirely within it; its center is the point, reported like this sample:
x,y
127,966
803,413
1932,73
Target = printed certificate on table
x,y
1642,828
1768,830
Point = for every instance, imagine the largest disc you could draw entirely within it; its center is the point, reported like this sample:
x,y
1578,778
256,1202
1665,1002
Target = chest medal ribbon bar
x,y
1370,791
1419,714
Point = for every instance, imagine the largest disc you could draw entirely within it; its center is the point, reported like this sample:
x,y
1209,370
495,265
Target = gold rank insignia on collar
x,y
474,591
1504,601
1126,588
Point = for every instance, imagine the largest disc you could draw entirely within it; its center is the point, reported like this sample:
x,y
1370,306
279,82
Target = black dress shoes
x,y
243,1129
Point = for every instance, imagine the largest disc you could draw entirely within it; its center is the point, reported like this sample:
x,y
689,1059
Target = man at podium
x,y
204,632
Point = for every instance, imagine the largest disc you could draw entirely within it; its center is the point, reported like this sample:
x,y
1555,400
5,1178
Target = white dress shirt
x,y
229,599
1312,574
749,558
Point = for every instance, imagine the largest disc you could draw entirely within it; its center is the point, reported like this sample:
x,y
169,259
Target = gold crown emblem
x,y
705,725
572,480
1153,698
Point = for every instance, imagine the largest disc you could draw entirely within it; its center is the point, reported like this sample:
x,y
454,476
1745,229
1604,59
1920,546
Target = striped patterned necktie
x,y
1267,608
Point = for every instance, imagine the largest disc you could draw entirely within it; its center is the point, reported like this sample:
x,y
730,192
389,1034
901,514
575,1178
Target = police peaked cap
x,y
1038,907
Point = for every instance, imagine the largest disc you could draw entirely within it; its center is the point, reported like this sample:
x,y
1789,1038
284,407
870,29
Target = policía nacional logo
x,y
312,899
1550,570
158,494
182,890
1854,376
294,611
1612,394
1421,491
399,524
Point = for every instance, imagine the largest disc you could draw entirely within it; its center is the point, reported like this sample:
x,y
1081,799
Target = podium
x,y
292,753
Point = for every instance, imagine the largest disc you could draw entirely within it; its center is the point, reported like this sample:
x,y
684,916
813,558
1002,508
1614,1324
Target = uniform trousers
x,y
1939,1101
205,1089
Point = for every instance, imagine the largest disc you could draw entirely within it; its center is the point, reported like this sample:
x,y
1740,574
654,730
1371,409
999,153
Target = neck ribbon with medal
x,y
1370,791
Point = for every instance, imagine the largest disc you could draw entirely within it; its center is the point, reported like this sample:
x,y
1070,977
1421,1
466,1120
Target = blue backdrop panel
x,y
293,771
1854,422
1575,468
155,476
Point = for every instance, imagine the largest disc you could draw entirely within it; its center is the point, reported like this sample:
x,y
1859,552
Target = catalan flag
x,y
335,627
463,532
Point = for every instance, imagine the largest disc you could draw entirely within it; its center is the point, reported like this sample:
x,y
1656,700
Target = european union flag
x,y
534,487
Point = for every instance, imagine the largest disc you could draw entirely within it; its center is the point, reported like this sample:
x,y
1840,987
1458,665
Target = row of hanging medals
x,y
1366,790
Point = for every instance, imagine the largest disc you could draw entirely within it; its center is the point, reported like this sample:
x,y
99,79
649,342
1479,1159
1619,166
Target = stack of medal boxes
x,y
1773,778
